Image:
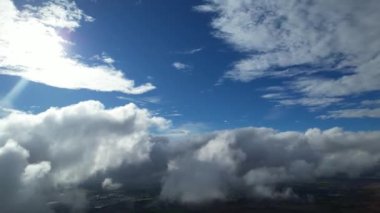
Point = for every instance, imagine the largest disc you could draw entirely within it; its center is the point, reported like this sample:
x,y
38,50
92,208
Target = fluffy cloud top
x,y
254,161
301,39
43,157
32,47
65,146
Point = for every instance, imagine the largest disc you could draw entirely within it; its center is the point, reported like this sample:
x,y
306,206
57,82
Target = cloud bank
x,y
32,46
45,157
255,161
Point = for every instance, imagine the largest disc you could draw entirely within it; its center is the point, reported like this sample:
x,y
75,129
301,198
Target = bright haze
x,y
204,99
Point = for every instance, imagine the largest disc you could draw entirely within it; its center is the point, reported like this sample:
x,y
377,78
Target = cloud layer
x,y
32,47
44,157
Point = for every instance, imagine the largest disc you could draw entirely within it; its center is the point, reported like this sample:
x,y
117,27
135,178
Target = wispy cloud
x,y
31,47
375,102
353,113
284,99
299,39
191,51
366,109
310,102
141,100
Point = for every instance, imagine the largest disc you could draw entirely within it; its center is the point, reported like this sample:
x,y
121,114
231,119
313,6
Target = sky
x,y
298,80
197,64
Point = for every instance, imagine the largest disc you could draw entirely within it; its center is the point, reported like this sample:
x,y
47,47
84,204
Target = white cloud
x,y
255,161
57,13
366,109
31,47
108,184
274,96
181,66
353,113
301,38
109,137
62,147
313,103
375,102
36,171
108,60
105,58
310,102
365,79
191,51
205,8
141,100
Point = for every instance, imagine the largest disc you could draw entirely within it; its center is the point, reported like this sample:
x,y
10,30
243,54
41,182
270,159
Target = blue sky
x,y
208,90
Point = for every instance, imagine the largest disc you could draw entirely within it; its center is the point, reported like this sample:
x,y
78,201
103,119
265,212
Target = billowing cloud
x,y
21,182
60,148
32,47
302,40
255,161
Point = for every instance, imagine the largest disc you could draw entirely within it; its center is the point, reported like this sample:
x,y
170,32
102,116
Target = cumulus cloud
x,y
300,39
255,161
21,182
32,47
61,148
66,146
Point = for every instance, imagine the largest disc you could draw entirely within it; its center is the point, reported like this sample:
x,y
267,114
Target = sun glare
x,y
33,48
